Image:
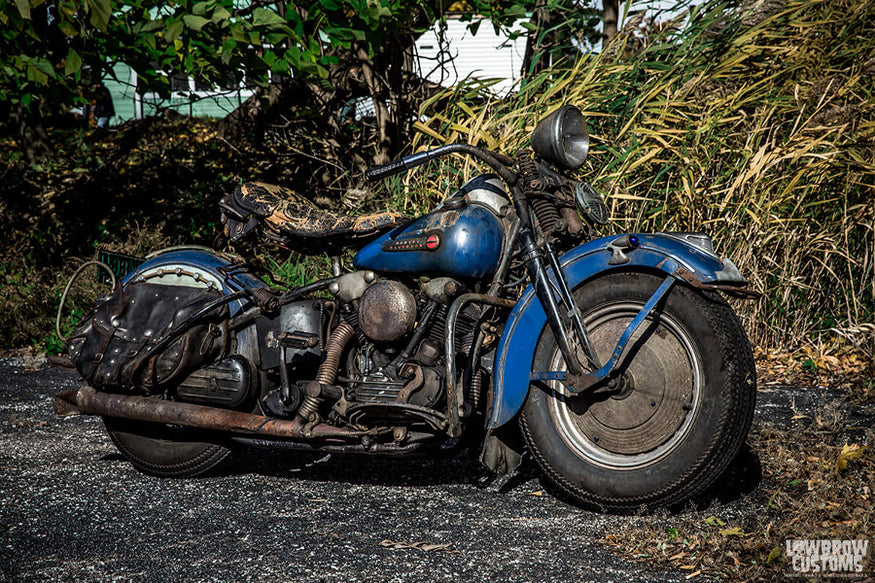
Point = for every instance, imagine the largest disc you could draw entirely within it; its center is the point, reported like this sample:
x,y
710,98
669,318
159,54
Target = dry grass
x,y
752,123
809,474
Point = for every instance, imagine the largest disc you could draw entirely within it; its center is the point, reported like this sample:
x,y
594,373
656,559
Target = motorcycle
x,y
496,322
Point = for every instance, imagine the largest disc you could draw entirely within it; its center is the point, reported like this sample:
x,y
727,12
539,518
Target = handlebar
x,y
397,166
498,162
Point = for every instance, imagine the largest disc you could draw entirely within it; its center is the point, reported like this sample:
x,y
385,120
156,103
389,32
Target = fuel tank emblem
x,y
425,242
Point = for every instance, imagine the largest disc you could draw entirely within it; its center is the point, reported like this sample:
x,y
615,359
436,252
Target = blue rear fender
x,y
204,267
208,266
655,252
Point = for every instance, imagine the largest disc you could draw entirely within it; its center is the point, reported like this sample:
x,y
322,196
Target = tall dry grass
x,y
752,122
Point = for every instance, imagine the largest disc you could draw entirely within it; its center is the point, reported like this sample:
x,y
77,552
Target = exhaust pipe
x,y
87,400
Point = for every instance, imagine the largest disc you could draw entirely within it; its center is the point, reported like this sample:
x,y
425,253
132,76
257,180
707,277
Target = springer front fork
x,y
583,367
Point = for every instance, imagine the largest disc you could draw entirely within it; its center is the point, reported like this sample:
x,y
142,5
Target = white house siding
x,y
129,105
485,55
657,10
123,89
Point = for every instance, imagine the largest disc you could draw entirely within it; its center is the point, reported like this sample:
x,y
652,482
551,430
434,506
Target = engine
x,y
382,359
395,372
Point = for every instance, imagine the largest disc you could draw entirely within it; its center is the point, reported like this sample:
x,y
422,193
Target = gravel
x,y
72,509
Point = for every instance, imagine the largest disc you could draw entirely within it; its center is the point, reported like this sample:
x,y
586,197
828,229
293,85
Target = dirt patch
x,y
811,452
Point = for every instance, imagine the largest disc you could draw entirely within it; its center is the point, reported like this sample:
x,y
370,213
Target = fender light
x,y
621,244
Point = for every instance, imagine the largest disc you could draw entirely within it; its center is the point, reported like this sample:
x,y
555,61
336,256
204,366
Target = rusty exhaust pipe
x,y
87,400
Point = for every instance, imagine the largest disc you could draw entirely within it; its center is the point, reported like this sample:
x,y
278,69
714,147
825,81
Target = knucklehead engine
x,y
393,326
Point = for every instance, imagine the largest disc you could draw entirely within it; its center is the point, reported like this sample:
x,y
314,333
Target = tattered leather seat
x,y
289,219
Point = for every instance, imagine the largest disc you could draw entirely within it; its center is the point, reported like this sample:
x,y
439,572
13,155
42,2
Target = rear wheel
x,y
680,408
165,450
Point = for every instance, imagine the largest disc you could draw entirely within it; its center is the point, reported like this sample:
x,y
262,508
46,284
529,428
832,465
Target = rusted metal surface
x,y
456,398
333,349
387,311
733,290
65,403
160,411
308,412
414,372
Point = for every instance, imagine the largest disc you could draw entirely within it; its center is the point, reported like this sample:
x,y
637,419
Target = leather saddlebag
x,y
113,348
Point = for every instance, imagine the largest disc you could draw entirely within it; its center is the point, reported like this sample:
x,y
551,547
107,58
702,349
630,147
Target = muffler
x,y
89,401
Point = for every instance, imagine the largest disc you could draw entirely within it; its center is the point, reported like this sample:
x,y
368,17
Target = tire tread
x,y
735,423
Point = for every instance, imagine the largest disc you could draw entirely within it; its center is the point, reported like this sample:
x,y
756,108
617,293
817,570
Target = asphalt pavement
x,y
72,509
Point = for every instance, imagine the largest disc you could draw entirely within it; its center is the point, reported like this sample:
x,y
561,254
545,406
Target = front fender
x,y
666,252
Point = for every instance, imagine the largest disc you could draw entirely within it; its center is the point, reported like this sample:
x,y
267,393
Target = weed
x,y
761,136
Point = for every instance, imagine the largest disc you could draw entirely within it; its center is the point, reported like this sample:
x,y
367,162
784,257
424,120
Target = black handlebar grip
x,y
386,170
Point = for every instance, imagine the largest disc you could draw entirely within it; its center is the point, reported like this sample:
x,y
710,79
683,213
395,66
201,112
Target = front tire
x,y
683,408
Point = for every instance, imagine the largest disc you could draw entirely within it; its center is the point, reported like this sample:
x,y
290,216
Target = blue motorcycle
x,y
487,323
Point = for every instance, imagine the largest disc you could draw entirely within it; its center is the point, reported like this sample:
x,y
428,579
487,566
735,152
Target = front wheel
x,y
678,413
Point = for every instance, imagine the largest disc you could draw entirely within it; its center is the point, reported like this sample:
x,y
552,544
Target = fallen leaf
x,y
848,454
733,531
714,521
428,548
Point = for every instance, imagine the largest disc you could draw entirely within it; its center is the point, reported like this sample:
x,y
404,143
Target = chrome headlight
x,y
562,138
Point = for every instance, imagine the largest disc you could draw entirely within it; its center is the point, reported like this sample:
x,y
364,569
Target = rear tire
x,y
164,450
688,396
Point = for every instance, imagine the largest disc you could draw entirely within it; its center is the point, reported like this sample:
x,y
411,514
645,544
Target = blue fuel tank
x,y
462,237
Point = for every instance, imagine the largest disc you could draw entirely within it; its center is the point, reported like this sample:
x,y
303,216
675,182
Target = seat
x,y
291,220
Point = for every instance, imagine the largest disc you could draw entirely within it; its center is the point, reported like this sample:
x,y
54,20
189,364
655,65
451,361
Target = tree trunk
x,y
32,137
610,16
537,57
249,116
381,110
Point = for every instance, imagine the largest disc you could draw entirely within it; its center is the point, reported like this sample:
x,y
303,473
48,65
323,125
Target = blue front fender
x,y
516,349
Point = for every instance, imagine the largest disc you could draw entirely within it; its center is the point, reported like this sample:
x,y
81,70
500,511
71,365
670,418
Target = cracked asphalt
x,y
71,509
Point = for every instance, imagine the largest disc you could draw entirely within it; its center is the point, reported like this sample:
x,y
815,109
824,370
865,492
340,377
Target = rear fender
x,y
204,267
196,267
687,256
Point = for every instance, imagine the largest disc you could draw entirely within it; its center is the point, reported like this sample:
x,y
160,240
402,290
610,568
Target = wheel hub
x,y
621,386
649,401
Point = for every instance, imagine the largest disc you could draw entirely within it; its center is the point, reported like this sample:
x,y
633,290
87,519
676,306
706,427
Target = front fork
x,y
578,376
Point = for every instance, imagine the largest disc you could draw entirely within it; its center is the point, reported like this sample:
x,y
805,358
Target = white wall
x,y
483,56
